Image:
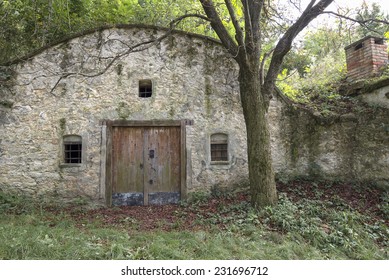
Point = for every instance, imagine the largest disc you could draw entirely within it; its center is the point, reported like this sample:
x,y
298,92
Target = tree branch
x,y
285,43
176,21
238,30
262,68
361,22
220,29
356,20
252,10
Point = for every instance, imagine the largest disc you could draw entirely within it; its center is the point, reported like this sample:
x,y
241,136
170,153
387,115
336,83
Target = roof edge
x,y
364,39
102,28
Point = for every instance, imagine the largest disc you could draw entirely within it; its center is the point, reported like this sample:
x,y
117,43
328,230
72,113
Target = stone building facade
x,y
55,135
122,117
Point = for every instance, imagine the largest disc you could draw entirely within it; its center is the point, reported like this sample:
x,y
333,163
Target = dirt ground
x,y
184,216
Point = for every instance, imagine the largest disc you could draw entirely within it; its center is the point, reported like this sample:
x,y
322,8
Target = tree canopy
x,y
30,24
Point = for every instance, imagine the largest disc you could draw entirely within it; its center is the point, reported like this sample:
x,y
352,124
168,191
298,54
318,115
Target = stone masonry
x,y
68,90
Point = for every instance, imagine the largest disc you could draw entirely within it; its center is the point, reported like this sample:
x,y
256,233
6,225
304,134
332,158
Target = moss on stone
x,y
65,62
123,110
172,112
208,92
65,46
119,69
294,141
7,79
374,84
6,103
294,152
191,53
62,125
208,88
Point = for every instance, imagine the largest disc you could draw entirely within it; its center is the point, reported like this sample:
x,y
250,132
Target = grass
x,y
307,229
24,237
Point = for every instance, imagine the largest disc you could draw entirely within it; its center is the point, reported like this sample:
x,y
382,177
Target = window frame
x,y
219,143
145,88
80,150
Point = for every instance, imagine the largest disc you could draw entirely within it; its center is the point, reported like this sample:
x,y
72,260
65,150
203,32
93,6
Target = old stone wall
x,y
351,147
69,89
60,92
377,98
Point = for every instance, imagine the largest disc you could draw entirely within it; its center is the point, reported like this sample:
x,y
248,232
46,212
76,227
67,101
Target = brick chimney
x,y
366,58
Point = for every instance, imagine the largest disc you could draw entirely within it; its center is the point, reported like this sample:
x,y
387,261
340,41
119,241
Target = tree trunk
x,y
261,174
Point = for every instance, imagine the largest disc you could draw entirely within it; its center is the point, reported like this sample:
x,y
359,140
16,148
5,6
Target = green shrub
x,y
384,205
330,227
15,203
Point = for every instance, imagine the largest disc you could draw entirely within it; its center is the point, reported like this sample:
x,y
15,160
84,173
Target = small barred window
x,y
72,149
219,147
145,88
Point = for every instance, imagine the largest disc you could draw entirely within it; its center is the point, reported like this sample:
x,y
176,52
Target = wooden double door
x,y
147,162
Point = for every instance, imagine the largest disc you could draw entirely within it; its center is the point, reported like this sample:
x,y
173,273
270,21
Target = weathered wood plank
x,y
175,154
147,157
127,159
183,159
108,177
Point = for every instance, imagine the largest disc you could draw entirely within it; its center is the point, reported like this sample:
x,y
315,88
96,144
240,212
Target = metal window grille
x,y
73,152
219,147
219,152
145,88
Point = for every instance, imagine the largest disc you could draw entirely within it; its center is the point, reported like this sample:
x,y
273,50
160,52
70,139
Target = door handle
x,y
151,154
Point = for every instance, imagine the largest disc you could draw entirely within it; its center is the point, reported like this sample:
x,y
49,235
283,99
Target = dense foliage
x,y
317,66
30,24
376,28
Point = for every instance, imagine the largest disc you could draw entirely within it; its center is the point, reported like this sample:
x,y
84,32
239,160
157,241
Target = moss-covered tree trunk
x,y
261,174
